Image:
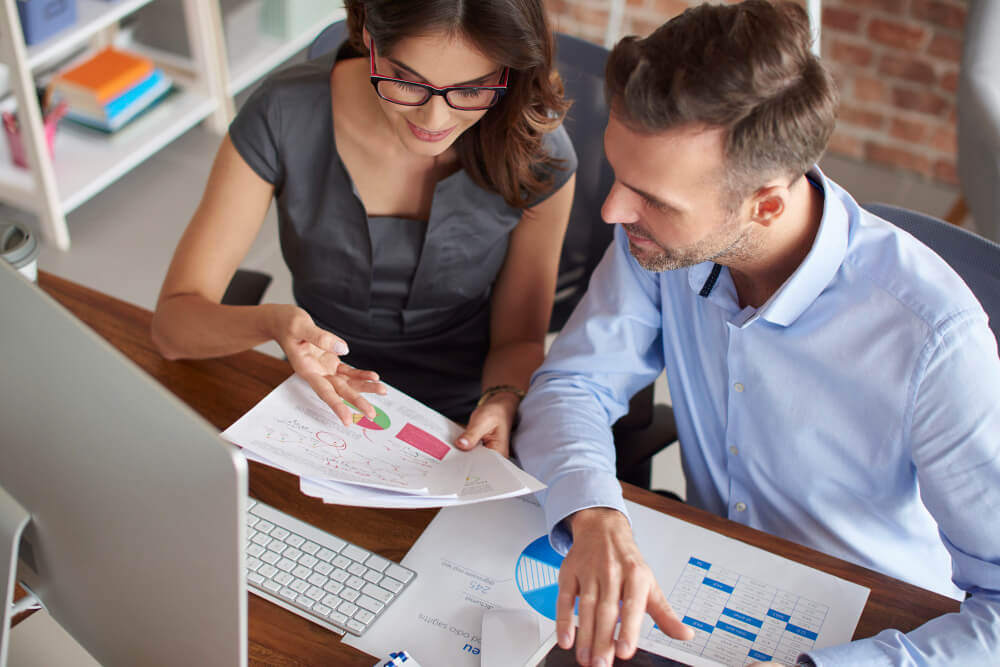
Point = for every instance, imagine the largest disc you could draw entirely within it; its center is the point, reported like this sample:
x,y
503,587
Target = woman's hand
x,y
491,423
314,354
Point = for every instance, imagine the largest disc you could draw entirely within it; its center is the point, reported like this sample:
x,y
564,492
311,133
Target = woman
x,y
423,184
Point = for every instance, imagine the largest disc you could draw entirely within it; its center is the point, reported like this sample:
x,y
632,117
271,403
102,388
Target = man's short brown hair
x,y
746,68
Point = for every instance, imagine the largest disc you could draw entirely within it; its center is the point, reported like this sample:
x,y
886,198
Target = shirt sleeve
x,y
559,146
255,133
609,349
955,442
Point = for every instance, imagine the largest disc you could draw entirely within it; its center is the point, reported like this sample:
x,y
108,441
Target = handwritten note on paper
x,y
404,448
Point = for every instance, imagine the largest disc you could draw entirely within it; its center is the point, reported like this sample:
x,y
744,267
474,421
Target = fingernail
x,y
464,442
623,646
599,662
564,640
340,348
584,656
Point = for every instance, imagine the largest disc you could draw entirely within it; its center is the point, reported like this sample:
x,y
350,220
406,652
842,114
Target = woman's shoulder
x,y
296,84
559,146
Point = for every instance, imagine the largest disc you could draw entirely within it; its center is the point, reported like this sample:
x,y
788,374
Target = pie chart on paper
x,y
537,576
380,422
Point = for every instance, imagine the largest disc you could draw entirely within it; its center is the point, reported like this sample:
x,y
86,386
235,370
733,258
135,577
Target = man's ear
x,y
768,204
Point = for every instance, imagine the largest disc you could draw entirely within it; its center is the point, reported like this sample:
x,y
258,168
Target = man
x,y
834,382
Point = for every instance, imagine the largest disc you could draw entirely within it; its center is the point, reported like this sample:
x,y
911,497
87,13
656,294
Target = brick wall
x,y
895,61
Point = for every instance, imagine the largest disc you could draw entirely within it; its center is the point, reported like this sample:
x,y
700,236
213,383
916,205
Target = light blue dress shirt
x,y
856,412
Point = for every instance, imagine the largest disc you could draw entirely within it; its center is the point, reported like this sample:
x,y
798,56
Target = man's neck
x,y
782,247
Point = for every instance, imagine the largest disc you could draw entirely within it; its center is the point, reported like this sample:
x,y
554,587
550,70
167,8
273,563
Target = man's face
x,y
669,196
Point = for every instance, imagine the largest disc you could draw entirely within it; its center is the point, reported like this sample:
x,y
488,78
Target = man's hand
x,y
606,571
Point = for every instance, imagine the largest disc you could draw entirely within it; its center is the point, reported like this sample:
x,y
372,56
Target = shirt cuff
x,y
862,652
575,491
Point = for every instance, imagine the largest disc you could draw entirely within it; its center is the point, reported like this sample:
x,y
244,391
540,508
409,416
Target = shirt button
x,y
738,387
734,450
741,507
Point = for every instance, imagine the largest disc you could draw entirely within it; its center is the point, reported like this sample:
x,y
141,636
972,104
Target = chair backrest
x,y
332,37
975,259
581,65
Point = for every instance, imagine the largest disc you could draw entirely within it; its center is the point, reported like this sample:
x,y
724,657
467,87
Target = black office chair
x,y
647,428
974,258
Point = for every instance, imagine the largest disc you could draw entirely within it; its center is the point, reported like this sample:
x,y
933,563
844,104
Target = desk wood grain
x,y
221,390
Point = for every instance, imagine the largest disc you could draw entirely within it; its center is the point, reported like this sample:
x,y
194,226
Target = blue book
x,y
126,112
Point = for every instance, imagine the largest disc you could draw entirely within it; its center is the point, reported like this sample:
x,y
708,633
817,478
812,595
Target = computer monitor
x,y
137,508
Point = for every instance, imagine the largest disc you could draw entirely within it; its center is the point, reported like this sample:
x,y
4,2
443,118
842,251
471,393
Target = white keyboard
x,y
333,583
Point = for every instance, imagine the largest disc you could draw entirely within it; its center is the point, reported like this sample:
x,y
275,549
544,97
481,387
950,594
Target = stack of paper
x,y
401,458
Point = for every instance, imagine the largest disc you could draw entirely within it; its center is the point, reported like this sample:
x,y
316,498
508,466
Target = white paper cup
x,y
19,248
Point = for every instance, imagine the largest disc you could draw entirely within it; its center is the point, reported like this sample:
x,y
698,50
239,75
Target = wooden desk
x,y
221,390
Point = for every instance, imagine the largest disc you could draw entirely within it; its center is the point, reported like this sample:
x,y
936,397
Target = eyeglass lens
x,y
408,93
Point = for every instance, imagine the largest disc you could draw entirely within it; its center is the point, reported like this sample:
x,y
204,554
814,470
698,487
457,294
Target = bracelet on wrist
x,y
490,392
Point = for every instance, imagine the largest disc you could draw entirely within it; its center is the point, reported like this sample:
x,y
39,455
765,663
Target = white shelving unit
x,y
246,67
86,162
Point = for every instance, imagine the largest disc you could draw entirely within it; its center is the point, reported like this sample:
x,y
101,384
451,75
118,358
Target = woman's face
x,y
441,60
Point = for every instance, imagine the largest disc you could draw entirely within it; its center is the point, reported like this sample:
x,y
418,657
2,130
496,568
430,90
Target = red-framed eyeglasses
x,y
414,94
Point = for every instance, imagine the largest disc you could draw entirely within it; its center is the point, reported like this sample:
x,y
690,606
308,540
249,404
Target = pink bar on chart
x,y
423,441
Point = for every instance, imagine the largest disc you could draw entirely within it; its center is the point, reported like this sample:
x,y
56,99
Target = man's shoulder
x,y
884,258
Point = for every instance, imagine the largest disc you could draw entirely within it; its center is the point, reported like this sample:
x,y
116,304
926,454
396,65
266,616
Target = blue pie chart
x,y
537,576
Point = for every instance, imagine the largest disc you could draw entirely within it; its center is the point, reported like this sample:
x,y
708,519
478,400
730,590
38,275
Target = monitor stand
x,y
13,519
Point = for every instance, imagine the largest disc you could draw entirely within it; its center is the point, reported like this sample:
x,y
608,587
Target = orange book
x,y
105,76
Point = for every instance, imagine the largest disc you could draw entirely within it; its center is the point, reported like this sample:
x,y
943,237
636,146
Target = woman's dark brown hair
x,y
746,68
503,152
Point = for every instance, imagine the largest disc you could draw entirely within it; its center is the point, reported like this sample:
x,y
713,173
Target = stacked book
x,y
109,89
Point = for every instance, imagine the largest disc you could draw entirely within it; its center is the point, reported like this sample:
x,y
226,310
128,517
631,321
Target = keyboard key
x,y
332,600
272,586
371,604
277,547
294,540
364,616
349,594
323,568
251,520
355,582
255,578
321,609
357,569
391,584
310,547
377,592
270,557
400,573
279,533
316,593
292,554
284,578
267,571
264,526
377,563
355,626
255,550
316,579
347,608
372,576
341,561
301,572
337,618
308,561
288,593
253,563
355,552
299,586
285,564
339,575
304,602
261,539
333,587
325,554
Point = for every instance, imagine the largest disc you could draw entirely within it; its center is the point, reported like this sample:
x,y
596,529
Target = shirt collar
x,y
808,280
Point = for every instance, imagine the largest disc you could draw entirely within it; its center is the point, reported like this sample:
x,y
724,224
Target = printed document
x,y
403,457
744,604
